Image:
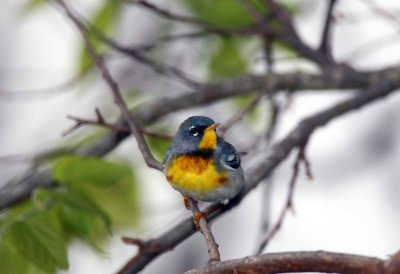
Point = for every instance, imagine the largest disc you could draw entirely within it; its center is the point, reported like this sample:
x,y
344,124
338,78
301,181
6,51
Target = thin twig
x,y
289,201
261,19
385,14
325,44
118,100
100,121
138,55
268,183
172,38
239,115
213,252
80,122
361,16
163,13
289,35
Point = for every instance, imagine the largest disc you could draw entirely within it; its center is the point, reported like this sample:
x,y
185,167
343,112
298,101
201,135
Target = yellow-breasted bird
x,y
201,165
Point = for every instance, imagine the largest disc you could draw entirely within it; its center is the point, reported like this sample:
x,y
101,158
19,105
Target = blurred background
x,y
350,206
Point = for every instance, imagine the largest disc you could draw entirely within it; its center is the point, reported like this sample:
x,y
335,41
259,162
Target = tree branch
x,y
100,121
325,44
294,262
213,252
262,168
289,35
131,120
20,189
170,15
166,14
239,115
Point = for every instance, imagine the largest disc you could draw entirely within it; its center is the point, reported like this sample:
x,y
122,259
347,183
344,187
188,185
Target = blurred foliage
x,y
32,5
93,197
227,60
77,170
223,13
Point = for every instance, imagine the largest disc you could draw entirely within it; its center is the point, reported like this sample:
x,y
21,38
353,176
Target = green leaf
x,y
81,202
39,238
103,20
120,201
9,261
230,13
223,13
227,60
73,199
79,214
13,263
15,212
83,225
75,170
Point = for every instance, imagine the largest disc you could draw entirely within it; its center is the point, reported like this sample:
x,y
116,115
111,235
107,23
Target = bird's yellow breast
x,y
195,174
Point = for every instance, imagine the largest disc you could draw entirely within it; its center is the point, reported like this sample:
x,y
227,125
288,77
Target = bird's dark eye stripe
x,y
194,130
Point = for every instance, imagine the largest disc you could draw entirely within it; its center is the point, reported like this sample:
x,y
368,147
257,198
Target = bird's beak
x,y
212,127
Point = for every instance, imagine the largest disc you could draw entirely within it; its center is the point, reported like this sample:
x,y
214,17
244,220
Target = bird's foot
x,y
197,216
186,202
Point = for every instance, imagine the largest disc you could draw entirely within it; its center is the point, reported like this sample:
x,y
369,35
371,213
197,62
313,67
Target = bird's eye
x,y
194,130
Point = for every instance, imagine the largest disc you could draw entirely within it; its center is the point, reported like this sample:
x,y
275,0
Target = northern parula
x,y
201,165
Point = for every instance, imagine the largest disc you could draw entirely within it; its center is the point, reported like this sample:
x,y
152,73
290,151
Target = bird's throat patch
x,y
195,173
209,141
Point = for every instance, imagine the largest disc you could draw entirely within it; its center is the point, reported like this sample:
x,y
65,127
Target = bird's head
x,y
197,133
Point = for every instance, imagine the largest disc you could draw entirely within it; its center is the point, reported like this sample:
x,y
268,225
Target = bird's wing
x,y
228,155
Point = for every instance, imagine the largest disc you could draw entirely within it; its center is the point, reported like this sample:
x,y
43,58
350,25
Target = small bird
x,y
201,165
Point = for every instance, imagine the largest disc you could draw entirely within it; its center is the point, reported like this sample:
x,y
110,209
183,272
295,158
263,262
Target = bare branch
x,y
325,44
172,38
239,115
385,14
138,55
79,122
145,248
133,124
213,252
100,121
170,15
295,262
206,26
289,35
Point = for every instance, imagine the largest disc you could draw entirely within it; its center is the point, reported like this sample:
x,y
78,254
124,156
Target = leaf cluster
x,y
92,197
